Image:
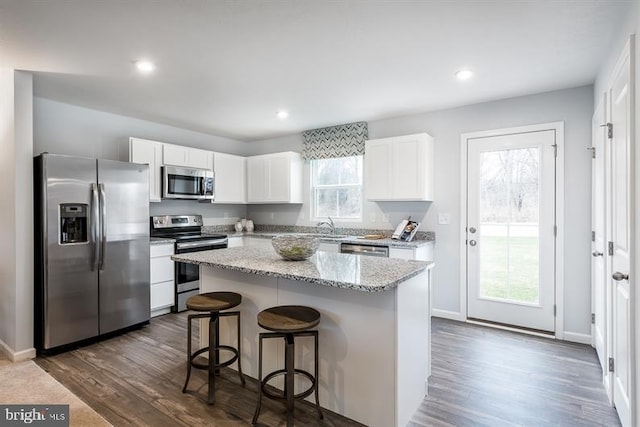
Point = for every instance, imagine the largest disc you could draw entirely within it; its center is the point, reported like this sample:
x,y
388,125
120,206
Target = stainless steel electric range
x,y
187,231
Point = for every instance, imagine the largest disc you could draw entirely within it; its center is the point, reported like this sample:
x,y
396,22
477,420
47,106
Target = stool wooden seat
x,y
288,318
288,322
212,303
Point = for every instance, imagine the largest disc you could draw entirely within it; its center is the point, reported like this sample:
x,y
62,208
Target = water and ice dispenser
x,y
74,223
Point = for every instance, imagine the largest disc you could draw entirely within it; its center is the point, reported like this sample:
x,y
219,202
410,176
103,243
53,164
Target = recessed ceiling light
x,y
464,74
282,114
145,67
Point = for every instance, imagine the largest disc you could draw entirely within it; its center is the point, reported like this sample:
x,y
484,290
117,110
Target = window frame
x,y
313,194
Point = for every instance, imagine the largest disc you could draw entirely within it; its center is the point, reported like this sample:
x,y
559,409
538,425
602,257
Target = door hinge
x,y
555,310
610,248
555,150
609,127
611,364
593,236
593,152
593,318
555,230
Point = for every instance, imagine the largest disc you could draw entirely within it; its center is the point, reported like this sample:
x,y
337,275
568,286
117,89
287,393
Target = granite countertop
x,y
161,240
361,273
393,243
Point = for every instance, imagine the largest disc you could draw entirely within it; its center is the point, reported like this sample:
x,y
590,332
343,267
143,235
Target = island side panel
x,y
357,349
414,353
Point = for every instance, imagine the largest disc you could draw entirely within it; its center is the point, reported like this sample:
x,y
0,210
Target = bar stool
x,y
288,322
212,303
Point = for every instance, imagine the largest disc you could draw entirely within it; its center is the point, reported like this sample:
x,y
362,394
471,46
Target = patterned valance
x,y
335,141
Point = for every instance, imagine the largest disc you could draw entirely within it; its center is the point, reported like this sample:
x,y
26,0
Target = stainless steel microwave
x,y
187,183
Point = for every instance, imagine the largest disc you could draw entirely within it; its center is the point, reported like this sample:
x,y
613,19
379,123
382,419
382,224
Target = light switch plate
x,y
385,217
444,219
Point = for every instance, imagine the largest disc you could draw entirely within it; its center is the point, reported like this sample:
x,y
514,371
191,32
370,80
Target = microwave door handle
x,y
202,186
103,226
95,223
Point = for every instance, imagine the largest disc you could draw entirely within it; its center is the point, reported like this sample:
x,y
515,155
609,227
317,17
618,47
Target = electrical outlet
x,y
272,215
226,215
444,219
372,217
385,217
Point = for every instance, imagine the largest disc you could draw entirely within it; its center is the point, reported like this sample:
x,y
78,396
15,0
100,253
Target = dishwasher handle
x,y
368,250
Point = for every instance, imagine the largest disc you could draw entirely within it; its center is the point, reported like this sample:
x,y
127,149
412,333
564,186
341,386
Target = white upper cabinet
x,y
399,168
230,178
177,155
148,152
274,178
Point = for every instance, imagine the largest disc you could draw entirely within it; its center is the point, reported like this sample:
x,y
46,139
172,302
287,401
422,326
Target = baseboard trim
x,y
576,337
19,356
446,314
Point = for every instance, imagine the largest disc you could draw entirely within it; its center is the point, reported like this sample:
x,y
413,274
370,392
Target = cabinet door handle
x,y
596,253
472,243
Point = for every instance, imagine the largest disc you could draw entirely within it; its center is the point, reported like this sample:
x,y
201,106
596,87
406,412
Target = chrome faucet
x,y
330,224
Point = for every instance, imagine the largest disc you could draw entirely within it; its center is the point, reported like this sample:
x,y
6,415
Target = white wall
x,y
573,106
68,129
16,214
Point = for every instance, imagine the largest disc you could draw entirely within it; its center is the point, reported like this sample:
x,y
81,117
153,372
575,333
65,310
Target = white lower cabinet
x,y
421,253
162,279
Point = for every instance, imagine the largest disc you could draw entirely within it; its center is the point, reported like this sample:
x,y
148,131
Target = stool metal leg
x,y
260,385
213,357
184,389
289,359
317,375
240,353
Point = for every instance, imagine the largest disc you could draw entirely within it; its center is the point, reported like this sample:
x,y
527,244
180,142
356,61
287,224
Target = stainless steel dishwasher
x,y
360,249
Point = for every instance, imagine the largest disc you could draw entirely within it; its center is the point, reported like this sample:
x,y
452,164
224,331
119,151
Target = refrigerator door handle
x,y
95,221
103,227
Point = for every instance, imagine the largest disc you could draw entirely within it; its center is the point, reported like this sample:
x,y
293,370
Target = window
x,y
337,187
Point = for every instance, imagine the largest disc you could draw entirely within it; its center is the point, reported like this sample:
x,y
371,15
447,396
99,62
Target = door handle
x,y
103,227
596,253
472,230
617,276
95,223
472,243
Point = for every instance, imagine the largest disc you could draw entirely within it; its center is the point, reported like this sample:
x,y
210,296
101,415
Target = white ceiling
x,y
226,67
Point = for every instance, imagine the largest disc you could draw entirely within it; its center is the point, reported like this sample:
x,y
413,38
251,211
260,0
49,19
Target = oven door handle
x,y
201,243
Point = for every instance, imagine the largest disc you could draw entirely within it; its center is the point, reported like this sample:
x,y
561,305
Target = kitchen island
x,y
374,332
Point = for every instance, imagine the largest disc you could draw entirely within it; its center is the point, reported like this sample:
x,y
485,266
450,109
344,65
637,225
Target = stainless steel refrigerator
x,y
91,248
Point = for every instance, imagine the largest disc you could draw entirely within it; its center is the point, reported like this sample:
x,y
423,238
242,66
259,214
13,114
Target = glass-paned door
x,y
510,233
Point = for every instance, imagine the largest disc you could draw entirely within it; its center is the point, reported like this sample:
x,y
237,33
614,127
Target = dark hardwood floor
x,y
488,377
481,377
